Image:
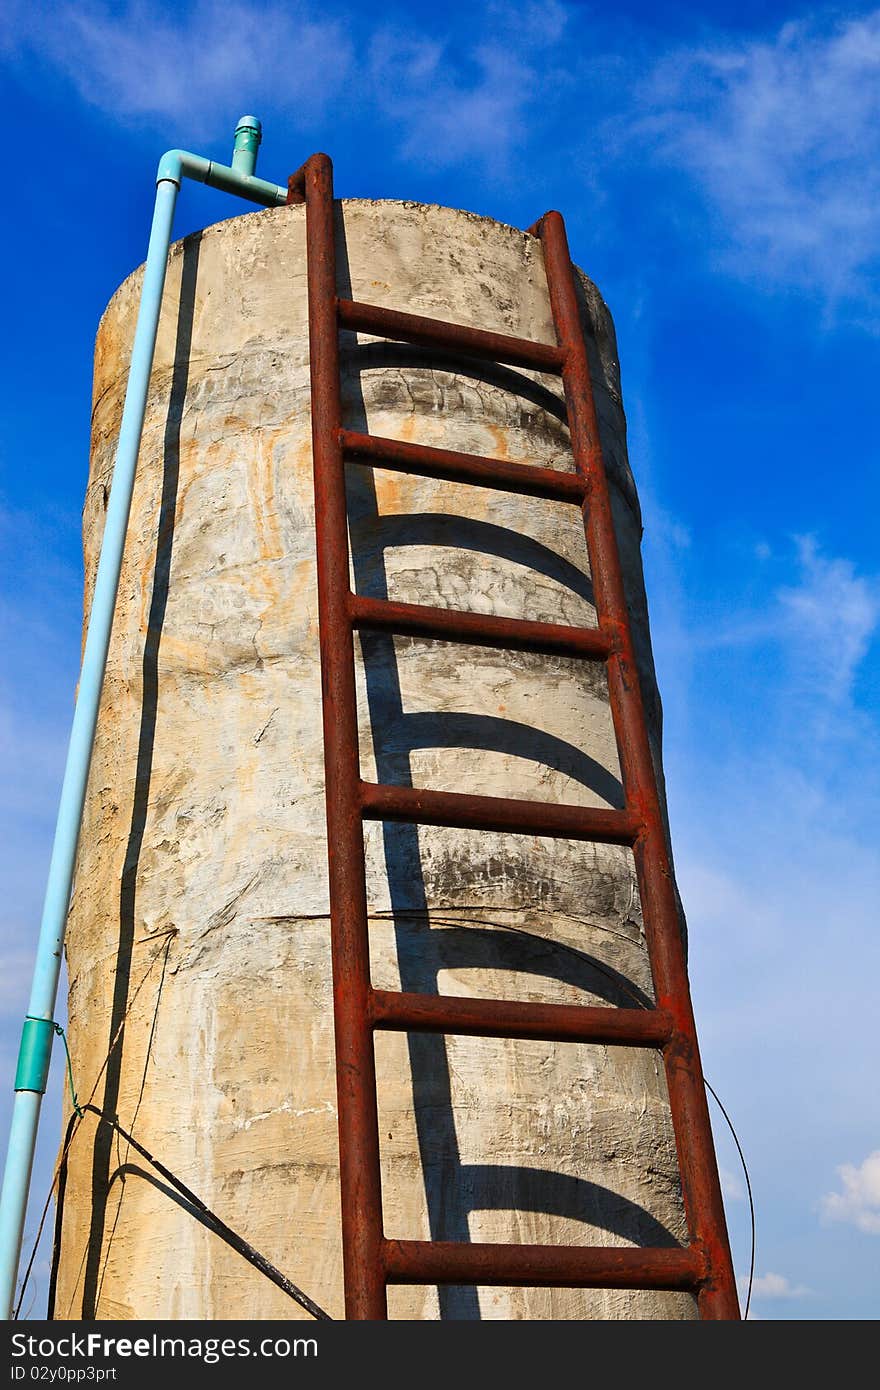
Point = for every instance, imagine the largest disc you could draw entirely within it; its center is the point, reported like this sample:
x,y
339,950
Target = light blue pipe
x,y
30,1082
248,134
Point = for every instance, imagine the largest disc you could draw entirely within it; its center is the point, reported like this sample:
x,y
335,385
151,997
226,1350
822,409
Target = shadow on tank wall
x,y
454,1188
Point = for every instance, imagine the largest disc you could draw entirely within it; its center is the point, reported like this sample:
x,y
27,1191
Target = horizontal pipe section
x,y
450,337
480,629
506,1018
523,478
175,165
500,813
542,1266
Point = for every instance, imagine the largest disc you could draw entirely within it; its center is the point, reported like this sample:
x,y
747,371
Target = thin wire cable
x,y
742,1159
248,1251
628,988
73,1100
215,1222
63,1036
626,985
73,1127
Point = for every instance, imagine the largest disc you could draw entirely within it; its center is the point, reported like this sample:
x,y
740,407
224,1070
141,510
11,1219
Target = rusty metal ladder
x,y
371,1261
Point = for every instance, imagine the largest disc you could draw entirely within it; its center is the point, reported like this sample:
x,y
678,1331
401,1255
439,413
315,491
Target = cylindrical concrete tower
x,y
199,936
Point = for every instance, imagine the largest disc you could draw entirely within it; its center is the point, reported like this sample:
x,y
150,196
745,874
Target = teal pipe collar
x,y
248,134
34,1055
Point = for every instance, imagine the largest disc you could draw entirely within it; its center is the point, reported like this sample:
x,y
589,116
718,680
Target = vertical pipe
x,y
248,134
26,1111
360,1180
687,1096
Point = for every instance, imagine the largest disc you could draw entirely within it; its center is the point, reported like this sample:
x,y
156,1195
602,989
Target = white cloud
x,y
822,625
780,134
858,1202
194,66
783,137
732,1188
31,761
779,874
833,613
539,23
462,95
449,103
18,968
773,1286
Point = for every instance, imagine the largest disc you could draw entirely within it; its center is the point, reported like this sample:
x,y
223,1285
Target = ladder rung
x,y
416,804
452,337
523,478
506,1018
542,1266
482,629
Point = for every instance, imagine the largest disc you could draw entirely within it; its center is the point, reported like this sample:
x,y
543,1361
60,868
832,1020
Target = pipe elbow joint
x,y
171,167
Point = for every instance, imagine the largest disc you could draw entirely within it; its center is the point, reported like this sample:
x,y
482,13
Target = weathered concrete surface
x,y
199,934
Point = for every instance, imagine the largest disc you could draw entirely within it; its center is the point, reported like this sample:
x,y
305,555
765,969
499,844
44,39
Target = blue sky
x,y
719,167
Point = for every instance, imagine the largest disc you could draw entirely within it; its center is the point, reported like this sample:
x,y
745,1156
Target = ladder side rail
x,y
360,1179
687,1095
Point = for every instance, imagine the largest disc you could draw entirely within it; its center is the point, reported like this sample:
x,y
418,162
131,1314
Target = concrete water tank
x,y
198,945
